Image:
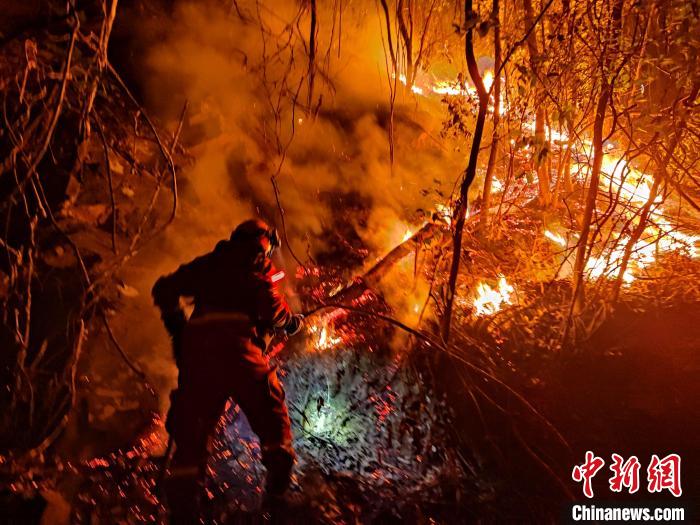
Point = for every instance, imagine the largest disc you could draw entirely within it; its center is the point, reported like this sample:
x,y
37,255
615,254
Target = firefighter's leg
x,y
193,426
192,420
264,406
182,482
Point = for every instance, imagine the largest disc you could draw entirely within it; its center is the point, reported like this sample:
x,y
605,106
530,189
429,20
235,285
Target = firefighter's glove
x,y
175,324
295,324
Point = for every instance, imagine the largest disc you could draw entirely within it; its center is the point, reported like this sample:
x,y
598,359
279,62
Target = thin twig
x,y
108,170
520,42
166,154
134,368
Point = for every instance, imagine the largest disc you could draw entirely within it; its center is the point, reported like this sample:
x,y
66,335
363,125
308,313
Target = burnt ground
x,y
631,390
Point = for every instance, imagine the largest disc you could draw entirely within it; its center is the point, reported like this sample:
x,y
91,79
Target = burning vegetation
x,y
489,215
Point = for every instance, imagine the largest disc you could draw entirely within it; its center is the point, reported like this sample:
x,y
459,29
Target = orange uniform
x,y
219,352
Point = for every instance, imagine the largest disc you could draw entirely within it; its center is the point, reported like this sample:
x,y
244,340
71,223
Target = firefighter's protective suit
x,y
219,354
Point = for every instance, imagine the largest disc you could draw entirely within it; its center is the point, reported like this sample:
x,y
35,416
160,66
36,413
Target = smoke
x,y
240,70
244,74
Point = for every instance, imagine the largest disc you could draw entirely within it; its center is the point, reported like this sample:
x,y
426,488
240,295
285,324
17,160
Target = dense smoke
x,y
239,73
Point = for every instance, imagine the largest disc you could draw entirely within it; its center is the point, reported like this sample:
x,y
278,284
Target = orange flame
x,y
322,337
489,300
559,239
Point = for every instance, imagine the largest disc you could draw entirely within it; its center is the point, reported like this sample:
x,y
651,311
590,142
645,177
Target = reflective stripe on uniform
x,y
221,316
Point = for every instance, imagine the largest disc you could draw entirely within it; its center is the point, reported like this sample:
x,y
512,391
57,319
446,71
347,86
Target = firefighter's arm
x,y
167,292
272,309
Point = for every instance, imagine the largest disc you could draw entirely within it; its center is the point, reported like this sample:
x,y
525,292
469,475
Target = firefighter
x,y
219,354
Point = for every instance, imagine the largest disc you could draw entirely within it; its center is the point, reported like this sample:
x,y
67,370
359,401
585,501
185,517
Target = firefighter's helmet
x,y
258,232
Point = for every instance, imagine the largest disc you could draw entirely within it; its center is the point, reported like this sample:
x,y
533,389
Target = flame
x,y
489,300
488,79
555,237
322,338
415,89
444,212
634,188
451,88
608,267
447,88
674,240
399,232
631,186
644,252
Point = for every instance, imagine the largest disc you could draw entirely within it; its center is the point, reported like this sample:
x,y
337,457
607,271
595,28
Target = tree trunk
x,y
459,214
636,235
582,248
540,139
493,152
312,55
392,82
540,152
582,251
430,232
407,37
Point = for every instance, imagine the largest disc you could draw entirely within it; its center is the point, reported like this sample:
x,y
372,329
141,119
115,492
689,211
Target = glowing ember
x,y
555,237
489,300
407,235
335,290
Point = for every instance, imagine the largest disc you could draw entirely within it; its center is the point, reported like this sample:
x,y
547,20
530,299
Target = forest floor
x,y
631,390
